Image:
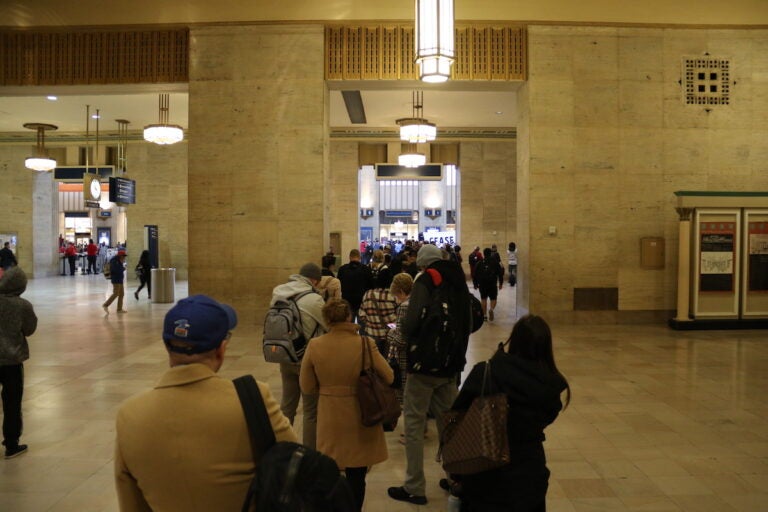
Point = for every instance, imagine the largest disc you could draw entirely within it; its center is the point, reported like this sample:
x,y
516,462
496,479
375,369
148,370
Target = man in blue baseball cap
x,y
184,445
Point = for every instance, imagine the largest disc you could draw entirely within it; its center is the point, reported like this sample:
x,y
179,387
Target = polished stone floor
x,y
660,420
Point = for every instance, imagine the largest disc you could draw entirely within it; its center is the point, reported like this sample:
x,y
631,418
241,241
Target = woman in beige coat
x,y
331,367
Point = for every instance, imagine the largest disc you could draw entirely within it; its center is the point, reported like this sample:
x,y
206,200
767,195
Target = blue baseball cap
x,y
200,322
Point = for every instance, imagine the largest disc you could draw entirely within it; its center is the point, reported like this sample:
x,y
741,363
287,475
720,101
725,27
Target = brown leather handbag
x,y
378,401
476,440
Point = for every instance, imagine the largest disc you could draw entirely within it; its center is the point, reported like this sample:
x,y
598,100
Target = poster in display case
x,y
717,256
758,257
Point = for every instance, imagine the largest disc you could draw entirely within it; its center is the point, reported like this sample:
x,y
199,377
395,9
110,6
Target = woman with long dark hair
x,y
524,369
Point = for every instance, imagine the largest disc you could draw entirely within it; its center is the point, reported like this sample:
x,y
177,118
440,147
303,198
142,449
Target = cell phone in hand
x,y
391,326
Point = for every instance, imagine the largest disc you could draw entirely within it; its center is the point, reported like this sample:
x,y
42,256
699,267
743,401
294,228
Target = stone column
x,y
684,264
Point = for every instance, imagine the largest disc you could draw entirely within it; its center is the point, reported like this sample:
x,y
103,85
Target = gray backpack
x,y
284,340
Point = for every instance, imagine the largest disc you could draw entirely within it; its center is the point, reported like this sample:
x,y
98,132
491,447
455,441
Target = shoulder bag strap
x,y
260,428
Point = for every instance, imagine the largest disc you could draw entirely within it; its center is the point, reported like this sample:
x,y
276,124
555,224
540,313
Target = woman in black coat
x,y
524,369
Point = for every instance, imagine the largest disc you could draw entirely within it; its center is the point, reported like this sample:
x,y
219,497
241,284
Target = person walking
x,y
524,369
184,445
116,277
331,367
489,274
17,321
144,273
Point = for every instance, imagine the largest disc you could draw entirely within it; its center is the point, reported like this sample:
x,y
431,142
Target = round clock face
x,y
95,189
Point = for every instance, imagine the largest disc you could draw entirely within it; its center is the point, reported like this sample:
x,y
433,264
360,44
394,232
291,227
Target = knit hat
x,y
427,255
311,271
200,322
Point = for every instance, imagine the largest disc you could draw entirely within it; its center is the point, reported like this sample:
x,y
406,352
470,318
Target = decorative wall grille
x,y
706,81
94,57
385,52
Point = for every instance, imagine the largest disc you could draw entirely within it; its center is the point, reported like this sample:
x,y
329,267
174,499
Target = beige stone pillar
x,y
684,265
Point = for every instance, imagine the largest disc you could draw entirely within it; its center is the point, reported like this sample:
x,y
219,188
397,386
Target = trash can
x,y
163,285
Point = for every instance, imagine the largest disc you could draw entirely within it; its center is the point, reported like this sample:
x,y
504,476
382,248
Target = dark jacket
x,y
420,298
7,258
17,318
117,270
533,394
356,279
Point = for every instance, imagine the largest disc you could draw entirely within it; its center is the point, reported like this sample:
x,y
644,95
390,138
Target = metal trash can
x,y
163,285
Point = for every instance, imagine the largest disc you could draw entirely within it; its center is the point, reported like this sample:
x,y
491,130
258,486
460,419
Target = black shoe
x,y
400,494
136,294
15,451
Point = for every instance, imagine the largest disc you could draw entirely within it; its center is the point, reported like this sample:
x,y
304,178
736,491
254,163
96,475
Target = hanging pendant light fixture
x,y
410,156
416,129
434,39
40,162
163,133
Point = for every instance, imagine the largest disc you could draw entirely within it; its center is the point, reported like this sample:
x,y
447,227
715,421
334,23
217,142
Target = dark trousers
x,y
356,479
72,264
145,279
92,264
12,381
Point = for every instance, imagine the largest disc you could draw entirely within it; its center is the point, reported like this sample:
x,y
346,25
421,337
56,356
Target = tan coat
x,y
184,444
332,364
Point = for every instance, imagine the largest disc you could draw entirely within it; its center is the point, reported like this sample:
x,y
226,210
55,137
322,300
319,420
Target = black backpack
x,y
290,477
439,348
484,272
477,313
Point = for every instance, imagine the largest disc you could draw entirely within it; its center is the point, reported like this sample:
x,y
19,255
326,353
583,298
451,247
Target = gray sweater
x,y
17,318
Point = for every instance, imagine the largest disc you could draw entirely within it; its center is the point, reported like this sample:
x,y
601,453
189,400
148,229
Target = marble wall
x,y
257,158
609,140
17,185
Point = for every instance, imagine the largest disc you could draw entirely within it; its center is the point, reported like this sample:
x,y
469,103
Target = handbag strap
x,y
486,377
259,427
370,356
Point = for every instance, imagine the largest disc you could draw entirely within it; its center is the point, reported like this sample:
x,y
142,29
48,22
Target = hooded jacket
x,y
17,318
310,305
533,394
450,273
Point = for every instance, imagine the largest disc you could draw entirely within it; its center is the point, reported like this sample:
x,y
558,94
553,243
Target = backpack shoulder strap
x,y
260,429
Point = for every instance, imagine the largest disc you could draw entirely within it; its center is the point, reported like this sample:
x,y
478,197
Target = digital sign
x,y
122,190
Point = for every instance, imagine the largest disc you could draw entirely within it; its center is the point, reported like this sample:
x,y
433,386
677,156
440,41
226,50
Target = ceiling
x,y
447,107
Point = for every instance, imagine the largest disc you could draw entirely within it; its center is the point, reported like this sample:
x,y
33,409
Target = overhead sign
x,y
122,190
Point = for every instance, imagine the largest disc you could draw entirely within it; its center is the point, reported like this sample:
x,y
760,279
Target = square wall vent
x,y
706,81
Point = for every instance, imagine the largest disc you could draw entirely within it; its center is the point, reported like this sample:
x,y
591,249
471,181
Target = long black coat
x,y
533,394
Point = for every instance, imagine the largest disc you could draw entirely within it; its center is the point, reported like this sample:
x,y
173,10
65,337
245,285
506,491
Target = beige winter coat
x,y
332,365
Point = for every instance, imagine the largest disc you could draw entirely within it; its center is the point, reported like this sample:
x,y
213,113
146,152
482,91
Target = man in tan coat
x,y
184,444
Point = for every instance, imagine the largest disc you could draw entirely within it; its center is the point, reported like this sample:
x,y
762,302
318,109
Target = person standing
x,y
523,368
301,288
331,367
512,263
91,251
17,321
71,254
144,273
117,277
377,310
7,258
400,289
356,279
184,445
430,389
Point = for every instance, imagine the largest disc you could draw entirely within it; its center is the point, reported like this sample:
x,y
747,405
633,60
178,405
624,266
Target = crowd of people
x,y
376,315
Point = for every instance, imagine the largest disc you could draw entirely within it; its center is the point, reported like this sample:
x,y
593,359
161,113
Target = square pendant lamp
x,y
434,39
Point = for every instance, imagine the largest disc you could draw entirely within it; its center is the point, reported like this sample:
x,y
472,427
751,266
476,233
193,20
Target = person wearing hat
x,y
427,390
184,445
301,288
117,276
